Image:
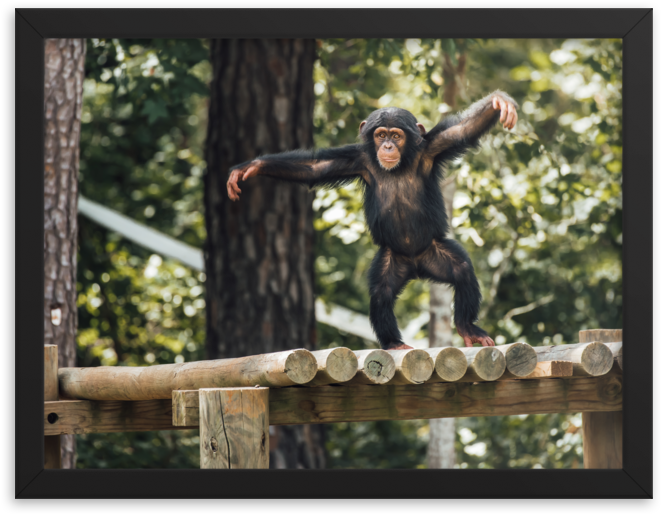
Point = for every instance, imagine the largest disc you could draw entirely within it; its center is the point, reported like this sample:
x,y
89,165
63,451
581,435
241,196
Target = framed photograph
x,y
205,317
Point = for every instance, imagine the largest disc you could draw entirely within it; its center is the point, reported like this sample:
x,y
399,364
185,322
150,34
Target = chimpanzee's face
x,y
389,144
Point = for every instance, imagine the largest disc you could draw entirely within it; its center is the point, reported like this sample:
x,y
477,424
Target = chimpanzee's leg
x,y
445,261
388,275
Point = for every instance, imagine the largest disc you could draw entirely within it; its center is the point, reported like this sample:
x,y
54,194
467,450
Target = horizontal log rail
x,y
332,404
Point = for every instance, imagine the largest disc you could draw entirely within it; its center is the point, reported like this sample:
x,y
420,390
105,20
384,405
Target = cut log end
x,y
374,367
412,366
341,364
489,363
597,359
520,359
450,364
300,366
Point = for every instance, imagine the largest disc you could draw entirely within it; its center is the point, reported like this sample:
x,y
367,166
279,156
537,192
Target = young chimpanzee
x,y
400,166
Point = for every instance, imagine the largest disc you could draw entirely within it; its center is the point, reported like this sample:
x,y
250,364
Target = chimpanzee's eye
x,y
396,136
382,135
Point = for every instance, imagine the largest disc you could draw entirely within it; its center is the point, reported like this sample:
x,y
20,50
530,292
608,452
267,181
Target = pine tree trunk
x,y
63,98
259,250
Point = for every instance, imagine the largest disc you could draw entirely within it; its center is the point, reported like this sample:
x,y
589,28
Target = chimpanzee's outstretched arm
x,y
465,130
325,167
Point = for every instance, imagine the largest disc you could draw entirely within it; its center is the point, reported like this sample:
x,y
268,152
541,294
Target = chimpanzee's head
x,y
392,136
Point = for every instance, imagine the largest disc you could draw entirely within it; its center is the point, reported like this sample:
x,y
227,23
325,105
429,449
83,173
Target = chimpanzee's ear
x,y
360,128
421,128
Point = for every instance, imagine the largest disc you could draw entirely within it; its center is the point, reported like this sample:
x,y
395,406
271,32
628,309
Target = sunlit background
x,y
539,209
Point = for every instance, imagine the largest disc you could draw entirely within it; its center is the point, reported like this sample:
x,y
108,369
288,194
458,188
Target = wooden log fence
x,y
233,401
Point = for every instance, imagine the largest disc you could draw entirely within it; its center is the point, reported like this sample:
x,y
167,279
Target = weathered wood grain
x,y
521,359
503,398
588,359
450,364
600,335
602,440
234,428
334,365
279,369
616,350
610,337
374,367
86,416
484,364
52,446
411,367
602,431
548,369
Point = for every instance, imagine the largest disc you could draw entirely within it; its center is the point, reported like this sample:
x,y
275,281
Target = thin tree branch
x,y
530,307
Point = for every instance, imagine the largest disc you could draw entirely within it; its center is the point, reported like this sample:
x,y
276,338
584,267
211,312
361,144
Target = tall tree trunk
x,y
259,250
440,450
63,99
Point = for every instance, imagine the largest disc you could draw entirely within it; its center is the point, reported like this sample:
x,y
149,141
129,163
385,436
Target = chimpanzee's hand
x,y
507,109
240,173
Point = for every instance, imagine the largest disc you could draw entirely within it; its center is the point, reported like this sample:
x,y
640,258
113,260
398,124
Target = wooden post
x,y
602,431
234,428
52,452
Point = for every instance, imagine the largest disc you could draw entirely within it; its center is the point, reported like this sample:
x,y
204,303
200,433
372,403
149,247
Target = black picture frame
x,y
634,26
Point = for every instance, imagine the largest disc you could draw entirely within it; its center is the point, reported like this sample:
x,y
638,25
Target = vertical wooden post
x,y
234,428
52,455
602,431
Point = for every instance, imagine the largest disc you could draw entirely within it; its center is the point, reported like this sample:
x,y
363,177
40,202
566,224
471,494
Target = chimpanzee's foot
x,y
474,335
397,345
483,340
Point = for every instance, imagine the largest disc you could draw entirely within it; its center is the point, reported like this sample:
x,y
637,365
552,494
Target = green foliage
x,y
144,113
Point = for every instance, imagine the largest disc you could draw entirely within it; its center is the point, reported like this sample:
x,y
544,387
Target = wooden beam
x,y
52,447
234,428
330,404
294,406
87,417
521,359
588,359
602,431
279,369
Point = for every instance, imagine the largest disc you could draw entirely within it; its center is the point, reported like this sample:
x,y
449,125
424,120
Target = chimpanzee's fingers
x,y
503,111
516,118
494,102
510,117
468,342
230,192
250,172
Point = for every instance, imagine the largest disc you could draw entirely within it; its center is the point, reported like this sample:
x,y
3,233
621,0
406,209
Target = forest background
x,y
538,209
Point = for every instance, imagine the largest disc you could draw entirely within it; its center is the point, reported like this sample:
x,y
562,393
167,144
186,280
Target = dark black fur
x,y
404,209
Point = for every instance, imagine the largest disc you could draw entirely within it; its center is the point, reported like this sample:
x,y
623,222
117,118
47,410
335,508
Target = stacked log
x,y
450,364
334,365
375,367
588,359
484,364
411,367
520,359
